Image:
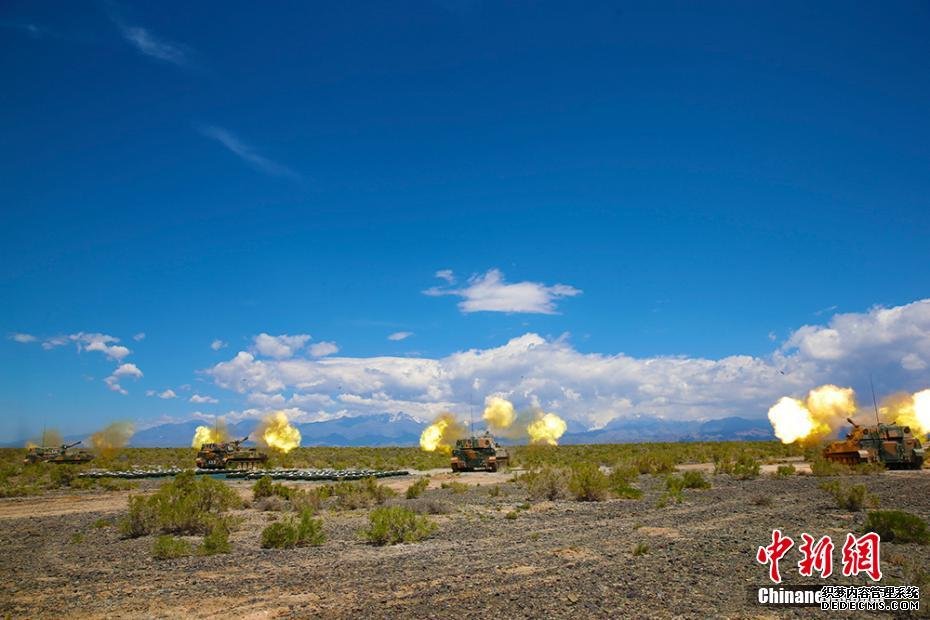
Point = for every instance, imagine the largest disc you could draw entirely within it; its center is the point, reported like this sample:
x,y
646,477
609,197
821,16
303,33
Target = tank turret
x,y
892,444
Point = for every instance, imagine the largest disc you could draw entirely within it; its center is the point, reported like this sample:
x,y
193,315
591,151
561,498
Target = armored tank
x,y
892,444
62,455
229,455
478,453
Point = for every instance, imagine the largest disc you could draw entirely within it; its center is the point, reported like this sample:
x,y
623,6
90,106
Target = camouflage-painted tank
x,y
478,453
891,444
62,455
229,455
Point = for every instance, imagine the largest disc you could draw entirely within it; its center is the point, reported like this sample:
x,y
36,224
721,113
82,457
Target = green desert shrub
x,y
455,486
265,487
217,539
694,480
307,499
825,467
549,483
139,520
656,462
361,494
262,488
674,488
784,471
166,547
897,526
63,475
588,483
309,530
745,467
185,505
852,497
623,473
289,533
415,489
390,525
279,535
621,478
626,491
868,469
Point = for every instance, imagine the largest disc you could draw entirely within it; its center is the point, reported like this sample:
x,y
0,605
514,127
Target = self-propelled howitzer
x,y
229,455
478,453
61,455
892,444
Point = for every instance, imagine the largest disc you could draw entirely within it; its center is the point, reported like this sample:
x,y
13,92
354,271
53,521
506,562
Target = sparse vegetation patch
x,y
390,525
897,526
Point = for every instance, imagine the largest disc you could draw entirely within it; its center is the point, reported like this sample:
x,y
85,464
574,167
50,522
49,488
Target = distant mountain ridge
x,y
399,429
649,429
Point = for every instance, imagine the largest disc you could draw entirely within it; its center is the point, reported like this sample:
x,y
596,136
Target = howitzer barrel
x,y
850,420
71,445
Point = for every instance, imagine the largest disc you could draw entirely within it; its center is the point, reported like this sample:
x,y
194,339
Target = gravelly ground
x,y
557,559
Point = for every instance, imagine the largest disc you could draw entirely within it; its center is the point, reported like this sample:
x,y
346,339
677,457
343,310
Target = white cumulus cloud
x,y
593,388
114,352
218,344
322,349
122,371
898,336
85,341
197,398
489,292
279,347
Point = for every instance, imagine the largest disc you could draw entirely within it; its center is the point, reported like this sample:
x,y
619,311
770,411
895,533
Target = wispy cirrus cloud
x,y
33,30
153,46
489,292
234,145
397,336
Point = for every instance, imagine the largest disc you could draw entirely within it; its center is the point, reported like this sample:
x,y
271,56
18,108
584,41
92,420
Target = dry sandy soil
x,y
556,559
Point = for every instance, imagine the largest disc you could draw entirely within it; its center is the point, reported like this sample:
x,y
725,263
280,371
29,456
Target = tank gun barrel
x,y
850,420
70,445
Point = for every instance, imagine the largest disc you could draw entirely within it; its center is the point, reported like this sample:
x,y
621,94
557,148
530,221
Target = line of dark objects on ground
x,y
250,474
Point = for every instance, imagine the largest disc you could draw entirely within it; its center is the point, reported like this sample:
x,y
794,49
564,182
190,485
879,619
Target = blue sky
x,y
704,181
